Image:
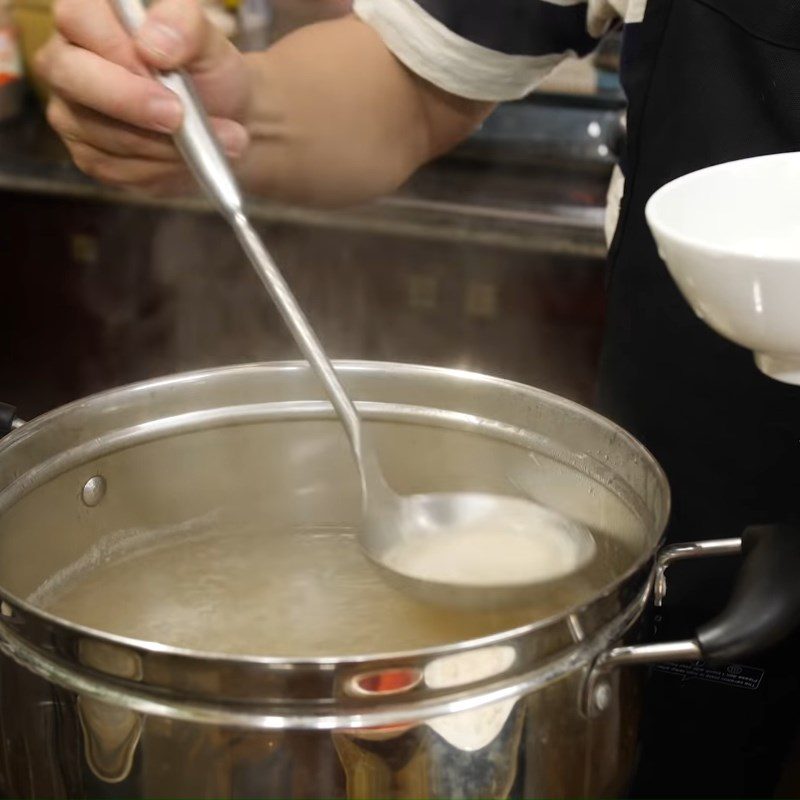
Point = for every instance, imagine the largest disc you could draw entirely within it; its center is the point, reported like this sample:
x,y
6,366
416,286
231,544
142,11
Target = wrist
x,y
258,117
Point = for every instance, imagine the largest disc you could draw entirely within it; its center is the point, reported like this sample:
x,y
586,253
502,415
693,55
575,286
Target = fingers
x,y
86,78
75,123
146,175
178,34
124,156
94,26
113,115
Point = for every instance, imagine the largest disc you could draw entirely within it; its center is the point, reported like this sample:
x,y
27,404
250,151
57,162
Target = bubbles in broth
x,y
286,592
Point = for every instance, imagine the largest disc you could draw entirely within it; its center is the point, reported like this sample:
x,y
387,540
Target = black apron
x,y
707,81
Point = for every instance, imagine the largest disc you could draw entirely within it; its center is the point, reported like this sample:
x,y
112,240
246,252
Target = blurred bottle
x,y
221,16
11,82
253,17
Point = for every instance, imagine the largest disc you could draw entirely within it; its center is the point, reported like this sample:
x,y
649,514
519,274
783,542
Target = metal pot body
x,y
88,713
58,743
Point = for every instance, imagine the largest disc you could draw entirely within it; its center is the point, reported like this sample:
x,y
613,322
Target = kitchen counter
x,y
533,179
490,259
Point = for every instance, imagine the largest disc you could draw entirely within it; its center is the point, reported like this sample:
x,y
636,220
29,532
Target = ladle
x,y
391,523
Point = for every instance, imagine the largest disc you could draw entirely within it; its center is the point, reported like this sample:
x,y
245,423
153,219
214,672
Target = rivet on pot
x,y
602,696
6,610
94,490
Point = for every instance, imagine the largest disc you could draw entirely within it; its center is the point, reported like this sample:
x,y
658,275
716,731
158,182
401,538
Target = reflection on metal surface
x,y
471,730
576,628
424,760
602,696
390,681
423,292
110,659
460,669
421,762
111,732
481,300
384,683
110,735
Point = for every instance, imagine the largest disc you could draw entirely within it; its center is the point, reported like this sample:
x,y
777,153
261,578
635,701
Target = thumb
x,y
177,34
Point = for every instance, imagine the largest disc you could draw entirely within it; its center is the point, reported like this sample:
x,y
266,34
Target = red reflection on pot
x,y
386,681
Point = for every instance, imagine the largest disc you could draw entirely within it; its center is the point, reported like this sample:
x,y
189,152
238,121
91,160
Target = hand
x,y
113,116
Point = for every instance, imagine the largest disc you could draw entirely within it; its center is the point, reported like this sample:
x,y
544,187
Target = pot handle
x,y
8,419
765,604
763,609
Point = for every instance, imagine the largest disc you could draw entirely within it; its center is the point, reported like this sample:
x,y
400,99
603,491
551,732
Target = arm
x,y
339,119
327,116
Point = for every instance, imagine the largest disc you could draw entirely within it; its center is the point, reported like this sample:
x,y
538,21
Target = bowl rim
x,y
660,229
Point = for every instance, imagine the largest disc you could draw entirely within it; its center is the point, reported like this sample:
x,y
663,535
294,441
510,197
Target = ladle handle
x,y
199,147
195,139
306,340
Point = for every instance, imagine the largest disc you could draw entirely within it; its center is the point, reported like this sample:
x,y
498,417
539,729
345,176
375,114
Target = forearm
x,y
327,116
335,119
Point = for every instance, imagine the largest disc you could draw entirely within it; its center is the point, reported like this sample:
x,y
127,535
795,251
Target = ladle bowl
x,y
472,549
730,236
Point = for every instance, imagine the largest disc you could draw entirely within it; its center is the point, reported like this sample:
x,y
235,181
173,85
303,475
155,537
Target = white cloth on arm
x,y
454,62
449,61
498,54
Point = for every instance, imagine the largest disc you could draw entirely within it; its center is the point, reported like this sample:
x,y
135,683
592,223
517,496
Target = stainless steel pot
x,y
536,711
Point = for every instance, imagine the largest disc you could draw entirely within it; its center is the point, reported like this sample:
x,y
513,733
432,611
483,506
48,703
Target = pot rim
x,y
291,714
31,615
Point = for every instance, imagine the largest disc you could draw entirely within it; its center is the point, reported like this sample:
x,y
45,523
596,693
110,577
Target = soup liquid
x,y
293,592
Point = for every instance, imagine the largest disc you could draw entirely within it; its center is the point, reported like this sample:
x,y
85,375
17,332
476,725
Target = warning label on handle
x,y
735,675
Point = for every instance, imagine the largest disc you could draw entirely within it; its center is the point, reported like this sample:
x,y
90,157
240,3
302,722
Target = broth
x,y
291,592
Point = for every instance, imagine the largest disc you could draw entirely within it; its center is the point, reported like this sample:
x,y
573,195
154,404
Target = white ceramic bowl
x,y
730,236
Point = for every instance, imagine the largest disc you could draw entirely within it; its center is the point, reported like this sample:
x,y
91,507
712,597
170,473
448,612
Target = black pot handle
x,y
764,608
765,604
8,419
